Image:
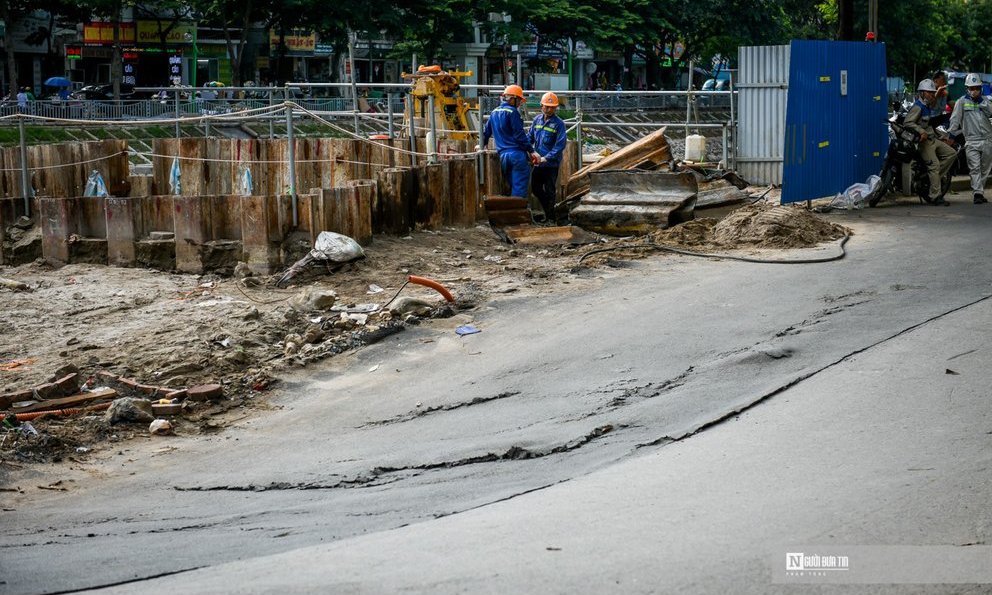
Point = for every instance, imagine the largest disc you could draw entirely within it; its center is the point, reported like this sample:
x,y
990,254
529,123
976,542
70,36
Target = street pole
x,y
433,134
292,159
571,59
413,129
196,55
520,69
25,178
179,132
389,108
578,126
354,86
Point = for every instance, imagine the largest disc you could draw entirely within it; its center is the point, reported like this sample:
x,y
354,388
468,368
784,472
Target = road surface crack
x,y
438,409
384,474
664,440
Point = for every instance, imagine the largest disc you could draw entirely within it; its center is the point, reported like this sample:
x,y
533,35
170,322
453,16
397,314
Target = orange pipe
x,y
60,412
433,285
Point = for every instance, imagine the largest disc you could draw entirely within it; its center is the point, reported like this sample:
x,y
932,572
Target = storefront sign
x,y
103,33
176,69
150,32
296,40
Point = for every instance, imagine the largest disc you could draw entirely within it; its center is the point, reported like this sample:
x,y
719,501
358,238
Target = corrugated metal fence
x,y
763,89
835,132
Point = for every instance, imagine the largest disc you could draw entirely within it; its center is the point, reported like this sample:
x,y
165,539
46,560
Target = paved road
x,y
586,422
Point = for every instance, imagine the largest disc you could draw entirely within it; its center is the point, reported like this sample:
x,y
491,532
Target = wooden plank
x,y
67,402
654,146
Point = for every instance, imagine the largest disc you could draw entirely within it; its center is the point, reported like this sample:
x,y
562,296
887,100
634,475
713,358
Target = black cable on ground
x,y
664,248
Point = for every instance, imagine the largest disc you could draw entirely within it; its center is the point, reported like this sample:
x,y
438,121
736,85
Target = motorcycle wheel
x,y
888,175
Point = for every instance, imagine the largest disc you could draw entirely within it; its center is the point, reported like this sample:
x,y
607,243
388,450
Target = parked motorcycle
x,y
904,169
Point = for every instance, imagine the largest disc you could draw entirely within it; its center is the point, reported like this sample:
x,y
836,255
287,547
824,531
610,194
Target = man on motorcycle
x,y
971,116
934,148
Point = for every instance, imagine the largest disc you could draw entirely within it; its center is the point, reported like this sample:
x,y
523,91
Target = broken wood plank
x,y
55,404
653,147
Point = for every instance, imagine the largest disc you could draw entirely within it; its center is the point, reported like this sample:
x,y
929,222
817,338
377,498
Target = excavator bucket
x,y
631,202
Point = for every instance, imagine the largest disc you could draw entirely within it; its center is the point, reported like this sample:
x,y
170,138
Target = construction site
x,y
188,273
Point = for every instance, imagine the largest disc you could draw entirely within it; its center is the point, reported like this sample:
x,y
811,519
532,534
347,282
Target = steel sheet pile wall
x,y
762,96
63,168
835,131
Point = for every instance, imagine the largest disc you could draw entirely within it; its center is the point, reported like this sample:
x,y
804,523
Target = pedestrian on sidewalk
x,y
547,135
971,117
516,154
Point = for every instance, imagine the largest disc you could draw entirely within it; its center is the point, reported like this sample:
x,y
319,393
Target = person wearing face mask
x,y
934,148
971,117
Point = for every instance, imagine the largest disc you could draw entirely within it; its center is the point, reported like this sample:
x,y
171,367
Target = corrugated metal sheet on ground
x,y
832,139
762,94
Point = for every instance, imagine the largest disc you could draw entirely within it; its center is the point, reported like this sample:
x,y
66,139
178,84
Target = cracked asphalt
x,y
513,426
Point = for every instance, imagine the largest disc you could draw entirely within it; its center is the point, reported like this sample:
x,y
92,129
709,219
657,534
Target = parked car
x,y
106,92
716,85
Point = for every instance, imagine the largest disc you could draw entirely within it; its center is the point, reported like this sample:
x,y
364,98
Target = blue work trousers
x,y
516,171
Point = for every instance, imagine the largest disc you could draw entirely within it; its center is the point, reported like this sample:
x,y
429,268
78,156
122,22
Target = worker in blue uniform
x,y
548,136
506,127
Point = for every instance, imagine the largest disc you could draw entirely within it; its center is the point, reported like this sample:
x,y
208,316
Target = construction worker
x,y
971,117
506,127
547,135
941,114
934,148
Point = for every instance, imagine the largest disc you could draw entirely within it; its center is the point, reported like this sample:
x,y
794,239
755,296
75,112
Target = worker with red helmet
x,y
516,154
547,135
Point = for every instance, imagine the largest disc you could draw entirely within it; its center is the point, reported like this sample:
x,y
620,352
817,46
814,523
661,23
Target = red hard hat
x,y
870,36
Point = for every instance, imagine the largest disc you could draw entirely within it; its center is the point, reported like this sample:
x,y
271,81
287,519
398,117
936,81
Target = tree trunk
x,y
12,84
626,76
845,20
115,65
652,74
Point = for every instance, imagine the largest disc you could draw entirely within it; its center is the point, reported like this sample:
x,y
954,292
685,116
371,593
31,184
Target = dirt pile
x,y
760,225
775,226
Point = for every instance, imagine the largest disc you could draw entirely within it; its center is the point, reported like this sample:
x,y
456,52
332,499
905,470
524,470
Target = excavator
x,y
454,117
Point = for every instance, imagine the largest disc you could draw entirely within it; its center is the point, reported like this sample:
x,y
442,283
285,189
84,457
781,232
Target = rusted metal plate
x,y
635,202
538,236
504,211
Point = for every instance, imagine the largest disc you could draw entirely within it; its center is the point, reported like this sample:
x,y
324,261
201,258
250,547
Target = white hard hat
x,y
972,80
927,85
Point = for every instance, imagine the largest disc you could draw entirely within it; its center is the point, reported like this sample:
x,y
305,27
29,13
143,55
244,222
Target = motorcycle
x,y
904,169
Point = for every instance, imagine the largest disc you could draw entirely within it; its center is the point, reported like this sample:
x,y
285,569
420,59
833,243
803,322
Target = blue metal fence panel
x,y
835,131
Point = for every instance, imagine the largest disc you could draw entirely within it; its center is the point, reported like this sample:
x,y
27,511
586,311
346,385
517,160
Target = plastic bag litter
x,y
175,183
854,197
336,247
245,184
95,186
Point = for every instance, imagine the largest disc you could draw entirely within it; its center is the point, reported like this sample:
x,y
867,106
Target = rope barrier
x,y
268,161
60,165
156,121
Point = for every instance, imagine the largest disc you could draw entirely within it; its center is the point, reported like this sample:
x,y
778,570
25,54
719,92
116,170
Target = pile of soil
x,y
759,225
775,226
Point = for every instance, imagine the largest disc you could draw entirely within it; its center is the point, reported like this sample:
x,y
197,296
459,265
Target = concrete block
x,y
121,231
260,234
57,224
192,220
